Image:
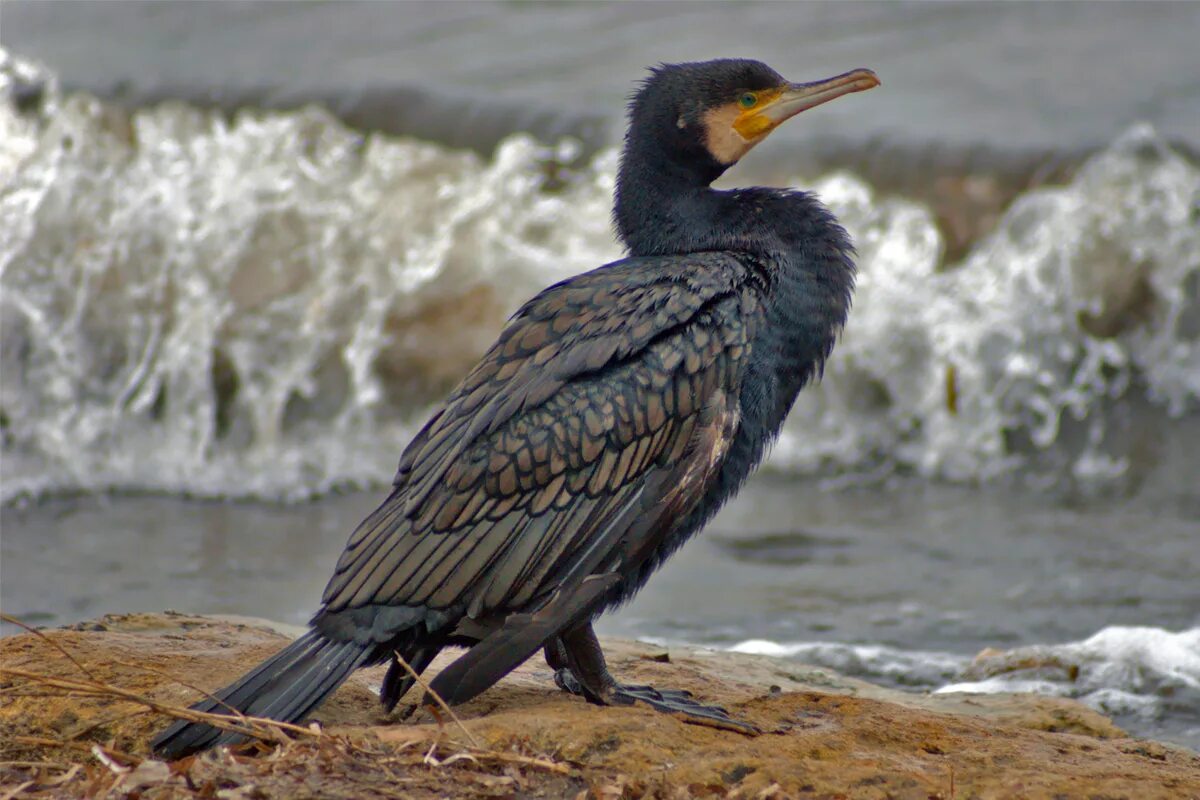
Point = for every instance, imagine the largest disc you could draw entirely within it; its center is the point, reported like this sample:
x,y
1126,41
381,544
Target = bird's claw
x,y
677,702
565,680
648,694
657,694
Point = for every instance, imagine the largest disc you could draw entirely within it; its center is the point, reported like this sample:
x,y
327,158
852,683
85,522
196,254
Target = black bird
x,y
615,414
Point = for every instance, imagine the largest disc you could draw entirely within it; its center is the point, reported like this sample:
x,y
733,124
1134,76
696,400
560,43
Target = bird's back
x,y
594,385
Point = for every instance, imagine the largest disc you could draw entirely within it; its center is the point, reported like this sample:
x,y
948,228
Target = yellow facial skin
x,y
751,122
735,127
730,130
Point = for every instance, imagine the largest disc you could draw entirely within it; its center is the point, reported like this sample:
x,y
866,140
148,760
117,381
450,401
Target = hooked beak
x,y
789,100
799,97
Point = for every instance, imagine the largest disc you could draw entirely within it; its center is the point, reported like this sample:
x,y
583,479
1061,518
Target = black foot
x,y
680,702
669,701
565,680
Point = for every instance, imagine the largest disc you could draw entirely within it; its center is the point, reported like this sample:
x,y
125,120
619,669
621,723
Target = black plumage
x,y
614,415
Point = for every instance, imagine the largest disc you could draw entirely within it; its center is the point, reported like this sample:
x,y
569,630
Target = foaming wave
x,y
1138,673
1147,678
1085,295
917,669
257,306
266,305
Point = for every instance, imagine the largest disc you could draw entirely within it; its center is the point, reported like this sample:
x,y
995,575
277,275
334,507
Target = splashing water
x,y
255,306
266,306
1135,674
1142,672
1082,294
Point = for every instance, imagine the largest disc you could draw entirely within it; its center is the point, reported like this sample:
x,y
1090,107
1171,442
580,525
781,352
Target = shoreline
x,y
902,586
824,733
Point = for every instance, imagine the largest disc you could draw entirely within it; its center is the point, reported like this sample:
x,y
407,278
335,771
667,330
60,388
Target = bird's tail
x,y
285,687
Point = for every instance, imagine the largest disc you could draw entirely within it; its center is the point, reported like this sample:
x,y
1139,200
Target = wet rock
x,y
826,735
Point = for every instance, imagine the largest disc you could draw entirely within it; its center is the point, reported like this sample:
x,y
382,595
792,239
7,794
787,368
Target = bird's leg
x,y
586,674
556,657
556,654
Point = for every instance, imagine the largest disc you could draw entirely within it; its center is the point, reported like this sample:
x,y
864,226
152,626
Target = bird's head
x,y
716,111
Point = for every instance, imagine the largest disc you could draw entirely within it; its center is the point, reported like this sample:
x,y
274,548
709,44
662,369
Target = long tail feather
x,y
285,687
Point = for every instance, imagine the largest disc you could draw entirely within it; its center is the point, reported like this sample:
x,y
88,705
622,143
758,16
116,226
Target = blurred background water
x,y
245,247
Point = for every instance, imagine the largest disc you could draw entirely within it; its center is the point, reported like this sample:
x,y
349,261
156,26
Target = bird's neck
x,y
662,210
665,208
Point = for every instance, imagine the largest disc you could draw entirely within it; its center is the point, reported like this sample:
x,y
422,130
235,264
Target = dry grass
x,y
84,715
277,757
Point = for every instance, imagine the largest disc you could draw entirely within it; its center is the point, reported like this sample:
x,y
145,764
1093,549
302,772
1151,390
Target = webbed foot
x,y
601,689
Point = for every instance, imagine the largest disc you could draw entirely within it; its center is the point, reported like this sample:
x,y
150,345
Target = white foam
x,y
1147,673
1143,672
914,668
285,250
344,282
1008,326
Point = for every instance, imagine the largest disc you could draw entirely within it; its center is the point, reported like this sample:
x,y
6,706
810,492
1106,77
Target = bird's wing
x,y
668,493
531,469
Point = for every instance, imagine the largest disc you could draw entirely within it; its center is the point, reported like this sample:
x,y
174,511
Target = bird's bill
x,y
796,97
799,97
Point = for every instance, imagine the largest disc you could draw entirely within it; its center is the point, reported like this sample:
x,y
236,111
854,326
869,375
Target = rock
x,y
826,735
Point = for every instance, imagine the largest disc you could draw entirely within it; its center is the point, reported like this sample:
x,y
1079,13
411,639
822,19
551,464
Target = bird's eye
x,y
748,100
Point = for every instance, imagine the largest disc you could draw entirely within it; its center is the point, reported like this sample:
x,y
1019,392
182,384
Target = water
x,y
902,585
267,306
259,307
1027,75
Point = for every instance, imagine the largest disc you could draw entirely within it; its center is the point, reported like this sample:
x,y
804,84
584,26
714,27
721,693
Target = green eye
x,y
748,100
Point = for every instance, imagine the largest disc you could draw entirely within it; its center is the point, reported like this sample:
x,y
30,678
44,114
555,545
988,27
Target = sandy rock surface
x,y
826,735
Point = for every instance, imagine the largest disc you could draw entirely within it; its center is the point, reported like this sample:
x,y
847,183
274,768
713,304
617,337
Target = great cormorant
x,y
615,414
